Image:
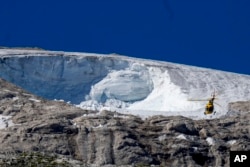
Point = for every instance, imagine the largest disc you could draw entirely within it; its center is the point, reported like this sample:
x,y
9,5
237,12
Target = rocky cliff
x,y
86,138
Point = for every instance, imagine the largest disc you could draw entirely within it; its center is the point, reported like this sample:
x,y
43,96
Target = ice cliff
x,y
139,86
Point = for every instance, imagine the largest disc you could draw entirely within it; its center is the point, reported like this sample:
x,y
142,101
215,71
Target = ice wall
x,y
57,76
73,77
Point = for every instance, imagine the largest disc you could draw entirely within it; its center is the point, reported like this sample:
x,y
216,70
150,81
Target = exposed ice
x,y
123,84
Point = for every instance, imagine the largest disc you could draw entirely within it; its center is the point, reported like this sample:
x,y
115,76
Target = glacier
x,y
123,84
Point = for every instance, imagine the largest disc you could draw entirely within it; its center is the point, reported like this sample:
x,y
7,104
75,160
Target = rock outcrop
x,y
241,106
88,138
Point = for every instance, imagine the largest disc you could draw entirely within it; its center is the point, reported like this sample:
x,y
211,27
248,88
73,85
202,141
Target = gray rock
x,y
113,139
182,125
241,106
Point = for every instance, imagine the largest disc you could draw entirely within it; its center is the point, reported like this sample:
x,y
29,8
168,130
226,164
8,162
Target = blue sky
x,y
206,33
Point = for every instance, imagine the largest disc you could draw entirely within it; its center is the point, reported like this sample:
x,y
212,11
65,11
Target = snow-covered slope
x,y
131,85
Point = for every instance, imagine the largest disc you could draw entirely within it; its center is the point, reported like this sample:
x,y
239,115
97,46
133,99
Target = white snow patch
x,y
60,100
90,105
162,137
35,100
6,90
210,141
91,114
26,94
15,98
181,136
231,142
99,126
195,148
5,122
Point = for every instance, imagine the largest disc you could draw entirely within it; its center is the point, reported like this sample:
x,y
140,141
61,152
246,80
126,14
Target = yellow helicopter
x,y
209,109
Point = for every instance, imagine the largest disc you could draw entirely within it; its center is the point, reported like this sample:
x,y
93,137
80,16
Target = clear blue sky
x,y
206,33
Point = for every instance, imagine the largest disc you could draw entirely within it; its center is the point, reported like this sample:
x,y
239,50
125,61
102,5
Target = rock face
x,y
241,106
89,138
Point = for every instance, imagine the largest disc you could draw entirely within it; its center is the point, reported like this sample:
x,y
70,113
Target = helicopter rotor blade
x,y
197,100
200,99
218,104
